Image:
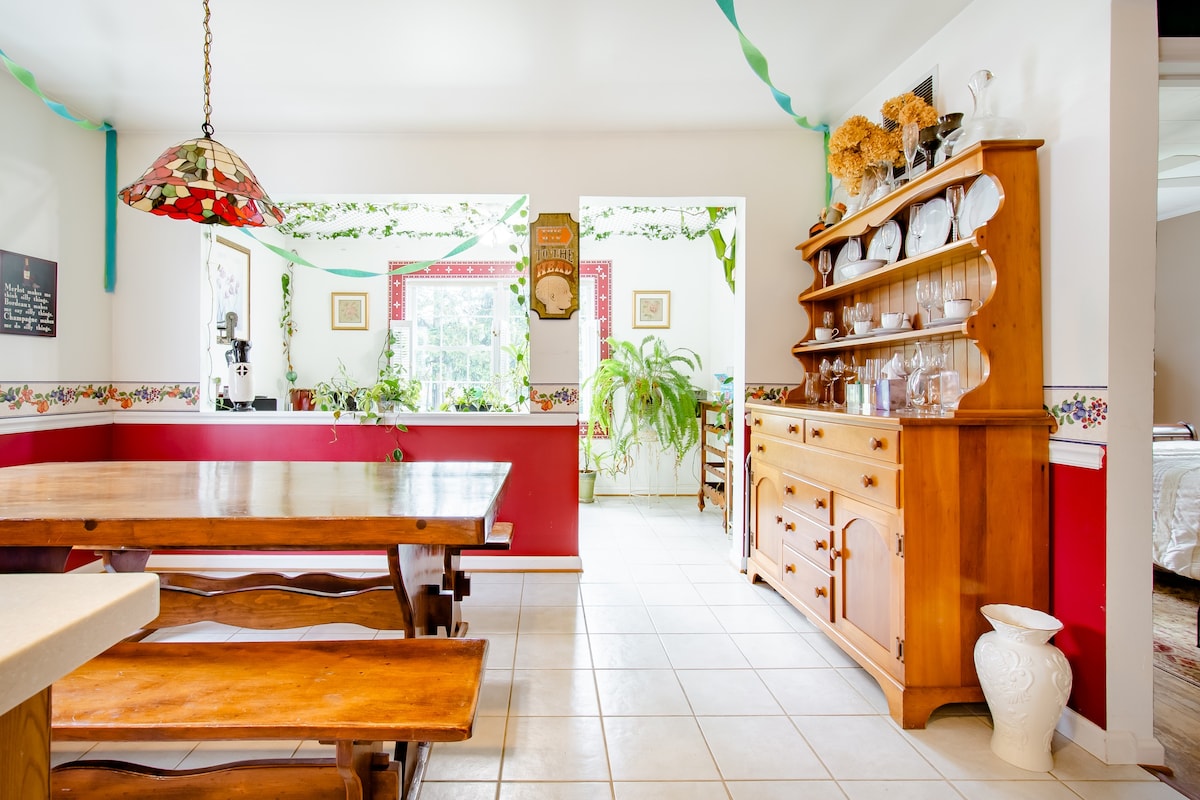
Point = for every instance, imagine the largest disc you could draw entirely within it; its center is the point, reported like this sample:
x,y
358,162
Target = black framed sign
x,y
29,305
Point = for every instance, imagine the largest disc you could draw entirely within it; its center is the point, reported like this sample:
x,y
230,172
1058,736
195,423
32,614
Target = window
x,y
466,328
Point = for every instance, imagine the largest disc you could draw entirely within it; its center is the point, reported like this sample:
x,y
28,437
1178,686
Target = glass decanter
x,y
919,373
983,124
944,386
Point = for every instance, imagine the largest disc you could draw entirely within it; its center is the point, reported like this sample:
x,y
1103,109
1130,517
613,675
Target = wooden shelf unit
x,y
715,468
889,530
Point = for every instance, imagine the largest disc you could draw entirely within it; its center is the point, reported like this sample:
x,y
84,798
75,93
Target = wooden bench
x,y
355,694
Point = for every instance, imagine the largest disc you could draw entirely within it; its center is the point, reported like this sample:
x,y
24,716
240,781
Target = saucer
x,y
905,327
937,323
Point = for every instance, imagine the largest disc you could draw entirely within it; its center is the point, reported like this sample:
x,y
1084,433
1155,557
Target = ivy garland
x,y
357,220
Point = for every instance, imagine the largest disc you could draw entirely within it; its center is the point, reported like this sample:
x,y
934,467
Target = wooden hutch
x,y
890,529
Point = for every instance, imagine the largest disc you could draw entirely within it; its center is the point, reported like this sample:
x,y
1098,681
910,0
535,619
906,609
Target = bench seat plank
x,y
365,690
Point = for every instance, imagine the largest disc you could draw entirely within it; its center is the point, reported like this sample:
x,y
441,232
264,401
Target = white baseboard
x,y
1111,747
319,562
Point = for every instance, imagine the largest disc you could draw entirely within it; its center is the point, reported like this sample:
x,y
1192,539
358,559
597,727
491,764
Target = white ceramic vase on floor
x,y
1026,682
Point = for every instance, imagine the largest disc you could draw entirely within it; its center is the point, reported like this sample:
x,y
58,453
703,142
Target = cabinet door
x,y
868,566
766,516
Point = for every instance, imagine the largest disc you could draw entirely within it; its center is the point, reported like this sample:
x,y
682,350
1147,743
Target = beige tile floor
x,y
660,673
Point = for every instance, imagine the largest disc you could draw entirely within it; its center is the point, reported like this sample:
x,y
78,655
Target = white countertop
x,y
50,624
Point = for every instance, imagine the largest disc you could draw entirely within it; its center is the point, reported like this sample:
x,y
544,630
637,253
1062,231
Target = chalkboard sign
x,y
29,305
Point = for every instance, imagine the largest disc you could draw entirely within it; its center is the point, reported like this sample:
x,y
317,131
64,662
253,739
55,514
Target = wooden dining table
x,y
421,514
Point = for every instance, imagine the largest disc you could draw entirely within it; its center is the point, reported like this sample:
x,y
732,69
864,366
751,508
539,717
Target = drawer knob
x,y
820,591
818,502
816,433
875,443
867,481
762,448
834,554
793,429
819,544
789,526
790,568
778,520
758,422
789,489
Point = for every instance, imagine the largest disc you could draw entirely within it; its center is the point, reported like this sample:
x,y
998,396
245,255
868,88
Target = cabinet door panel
x,y
767,516
870,575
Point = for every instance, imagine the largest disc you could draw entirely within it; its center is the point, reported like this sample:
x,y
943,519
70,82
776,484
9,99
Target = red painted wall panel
x,y
542,500
1077,591
91,443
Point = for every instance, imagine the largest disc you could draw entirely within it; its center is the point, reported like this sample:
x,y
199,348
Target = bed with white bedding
x,y
1177,499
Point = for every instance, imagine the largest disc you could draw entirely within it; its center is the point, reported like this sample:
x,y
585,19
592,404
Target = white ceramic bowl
x,y
852,269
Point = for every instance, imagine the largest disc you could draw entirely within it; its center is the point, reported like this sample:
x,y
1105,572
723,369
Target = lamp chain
x,y
207,127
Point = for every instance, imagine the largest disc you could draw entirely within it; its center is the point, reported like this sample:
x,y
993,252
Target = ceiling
x,y
456,65
395,66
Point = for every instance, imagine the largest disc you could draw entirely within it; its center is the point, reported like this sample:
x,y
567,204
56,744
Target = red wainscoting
x,y
1077,591
542,500
91,443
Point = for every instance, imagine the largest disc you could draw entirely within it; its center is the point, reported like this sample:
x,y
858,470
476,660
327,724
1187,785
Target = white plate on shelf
x,y
878,249
980,204
854,336
936,215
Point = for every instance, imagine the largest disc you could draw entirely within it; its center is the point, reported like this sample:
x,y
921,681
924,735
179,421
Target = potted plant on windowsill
x,y
643,393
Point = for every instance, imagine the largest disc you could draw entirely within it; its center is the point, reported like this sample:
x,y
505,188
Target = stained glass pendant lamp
x,y
202,179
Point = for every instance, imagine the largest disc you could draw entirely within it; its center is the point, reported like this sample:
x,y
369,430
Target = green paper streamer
x,y
110,209
758,64
466,244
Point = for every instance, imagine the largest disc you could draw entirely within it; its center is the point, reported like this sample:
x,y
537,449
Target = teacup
x,y
959,309
824,334
862,326
893,319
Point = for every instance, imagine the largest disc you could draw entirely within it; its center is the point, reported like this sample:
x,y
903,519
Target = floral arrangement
x,y
908,107
859,144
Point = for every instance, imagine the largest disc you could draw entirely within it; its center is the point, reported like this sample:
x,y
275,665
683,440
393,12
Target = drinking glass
x,y
826,370
911,140
955,289
848,318
828,319
854,249
838,369
916,227
888,234
824,266
929,296
954,199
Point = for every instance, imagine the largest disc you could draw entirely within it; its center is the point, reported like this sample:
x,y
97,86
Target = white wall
x,y
779,174
1082,75
51,207
1176,344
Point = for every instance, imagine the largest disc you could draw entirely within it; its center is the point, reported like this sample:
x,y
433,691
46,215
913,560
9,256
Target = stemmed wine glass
x,y
826,370
824,266
888,234
929,295
911,140
954,200
916,228
838,368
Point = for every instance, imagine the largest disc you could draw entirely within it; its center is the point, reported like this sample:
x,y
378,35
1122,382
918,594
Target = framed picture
x,y
229,270
651,309
348,311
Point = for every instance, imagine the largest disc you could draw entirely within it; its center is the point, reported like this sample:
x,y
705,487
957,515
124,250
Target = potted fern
x,y
643,393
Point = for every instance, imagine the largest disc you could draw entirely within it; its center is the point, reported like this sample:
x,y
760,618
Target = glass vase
x,y
983,124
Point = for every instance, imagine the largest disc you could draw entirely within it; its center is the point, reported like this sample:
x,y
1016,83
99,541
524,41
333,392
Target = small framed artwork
x,y
348,311
651,309
229,268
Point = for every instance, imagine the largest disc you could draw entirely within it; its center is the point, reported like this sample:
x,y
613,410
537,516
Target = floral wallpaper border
x,y
34,398
555,398
1080,411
